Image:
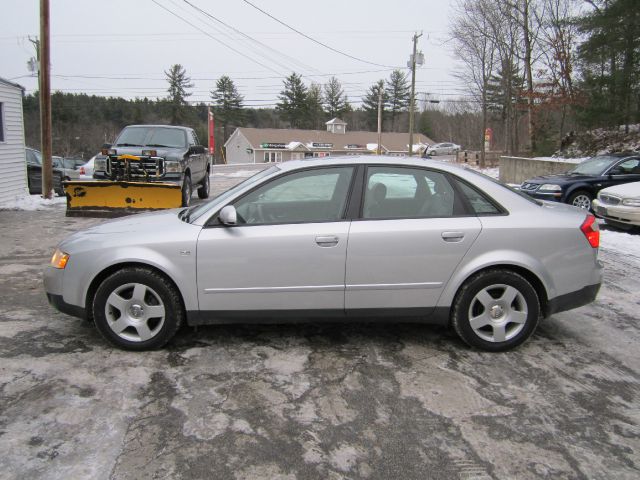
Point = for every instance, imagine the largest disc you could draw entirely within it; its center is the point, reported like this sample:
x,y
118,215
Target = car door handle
x,y
452,236
327,241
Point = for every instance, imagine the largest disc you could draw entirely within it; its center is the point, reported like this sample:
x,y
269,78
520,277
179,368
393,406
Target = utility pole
x,y
45,101
412,64
379,147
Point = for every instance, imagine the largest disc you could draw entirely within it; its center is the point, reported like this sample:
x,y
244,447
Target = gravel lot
x,y
311,401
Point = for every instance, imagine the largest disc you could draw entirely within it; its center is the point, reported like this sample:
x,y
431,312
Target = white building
x,y
259,145
13,176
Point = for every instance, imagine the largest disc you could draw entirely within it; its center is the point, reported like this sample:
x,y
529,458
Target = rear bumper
x,y
573,300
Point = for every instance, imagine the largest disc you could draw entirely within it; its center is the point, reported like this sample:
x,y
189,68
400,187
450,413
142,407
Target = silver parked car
x,y
443,149
350,238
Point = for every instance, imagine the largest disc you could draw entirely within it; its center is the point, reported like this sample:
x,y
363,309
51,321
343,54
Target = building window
x,y
297,155
321,154
270,157
1,122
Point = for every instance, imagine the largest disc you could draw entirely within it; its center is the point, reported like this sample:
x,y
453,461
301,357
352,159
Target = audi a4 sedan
x,y
352,238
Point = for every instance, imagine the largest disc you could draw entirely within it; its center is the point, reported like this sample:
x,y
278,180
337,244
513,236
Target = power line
x,y
216,39
313,39
296,62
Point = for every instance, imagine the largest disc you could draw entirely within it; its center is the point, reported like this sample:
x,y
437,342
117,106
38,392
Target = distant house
x,y
260,145
13,176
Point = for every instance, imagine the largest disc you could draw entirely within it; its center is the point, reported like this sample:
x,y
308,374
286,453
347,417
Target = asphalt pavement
x,y
311,401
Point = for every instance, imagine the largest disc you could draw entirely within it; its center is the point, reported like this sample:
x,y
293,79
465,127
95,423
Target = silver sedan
x,y
355,238
443,149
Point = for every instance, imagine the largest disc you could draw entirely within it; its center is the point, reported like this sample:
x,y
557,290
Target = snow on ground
x,y
238,174
31,202
621,242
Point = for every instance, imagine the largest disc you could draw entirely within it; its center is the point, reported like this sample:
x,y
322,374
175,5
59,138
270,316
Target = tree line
x,y
540,69
534,70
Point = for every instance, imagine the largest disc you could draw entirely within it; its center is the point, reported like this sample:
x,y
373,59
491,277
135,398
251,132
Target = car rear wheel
x,y
495,310
205,187
581,199
137,309
187,191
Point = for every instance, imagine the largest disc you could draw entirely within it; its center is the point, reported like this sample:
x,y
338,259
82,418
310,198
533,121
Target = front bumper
x,y
548,196
617,213
53,286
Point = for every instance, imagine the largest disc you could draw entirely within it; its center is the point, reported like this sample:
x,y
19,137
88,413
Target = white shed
x,y
13,180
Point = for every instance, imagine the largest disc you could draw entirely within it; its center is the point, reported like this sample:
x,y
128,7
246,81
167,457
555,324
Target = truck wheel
x,y
203,190
137,309
187,190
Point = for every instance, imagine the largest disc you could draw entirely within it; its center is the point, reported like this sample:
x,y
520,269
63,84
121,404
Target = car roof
x,y
368,159
177,127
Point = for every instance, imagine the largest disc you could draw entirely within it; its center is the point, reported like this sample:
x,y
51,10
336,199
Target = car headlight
x,y
59,259
172,167
631,202
100,164
550,187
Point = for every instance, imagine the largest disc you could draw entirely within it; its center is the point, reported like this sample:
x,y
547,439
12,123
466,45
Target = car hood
x,y
626,190
143,227
557,178
161,152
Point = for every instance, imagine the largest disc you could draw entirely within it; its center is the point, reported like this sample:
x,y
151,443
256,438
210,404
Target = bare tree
x,y
476,48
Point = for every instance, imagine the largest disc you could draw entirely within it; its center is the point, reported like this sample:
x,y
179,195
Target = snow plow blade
x,y
97,198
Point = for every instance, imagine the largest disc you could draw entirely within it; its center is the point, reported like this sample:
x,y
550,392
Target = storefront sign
x,y
321,145
353,146
273,145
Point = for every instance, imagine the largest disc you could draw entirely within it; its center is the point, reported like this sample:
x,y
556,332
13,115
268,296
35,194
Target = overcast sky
x,y
122,48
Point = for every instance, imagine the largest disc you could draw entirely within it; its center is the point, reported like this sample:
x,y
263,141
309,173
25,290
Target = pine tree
x,y
227,104
178,85
609,59
293,101
335,101
398,91
316,115
370,104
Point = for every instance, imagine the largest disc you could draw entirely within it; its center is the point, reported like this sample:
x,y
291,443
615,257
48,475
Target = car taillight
x,y
591,230
81,170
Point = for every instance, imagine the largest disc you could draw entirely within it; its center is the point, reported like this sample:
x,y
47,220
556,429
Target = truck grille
x,y
609,199
144,169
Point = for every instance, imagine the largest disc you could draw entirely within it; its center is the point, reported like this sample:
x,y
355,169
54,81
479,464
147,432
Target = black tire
x,y
205,187
580,198
500,325
187,191
137,328
60,190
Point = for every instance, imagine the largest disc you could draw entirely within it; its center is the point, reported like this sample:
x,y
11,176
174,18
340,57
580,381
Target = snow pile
x,y
31,202
600,141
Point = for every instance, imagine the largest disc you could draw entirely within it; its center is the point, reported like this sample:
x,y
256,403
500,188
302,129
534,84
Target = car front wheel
x,y
137,309
580,199
495,310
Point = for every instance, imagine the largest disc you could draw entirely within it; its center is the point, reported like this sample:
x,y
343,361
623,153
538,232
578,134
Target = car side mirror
x,y
228,215
197,149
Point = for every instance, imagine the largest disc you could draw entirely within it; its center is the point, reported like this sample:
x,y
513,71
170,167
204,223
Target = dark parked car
x,y
34,173
581,185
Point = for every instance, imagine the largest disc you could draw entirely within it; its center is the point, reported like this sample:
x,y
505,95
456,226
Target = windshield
x,y
196,211
152,137
508,187
594,166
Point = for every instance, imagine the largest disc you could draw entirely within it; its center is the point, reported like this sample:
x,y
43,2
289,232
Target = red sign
x,y
212,140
